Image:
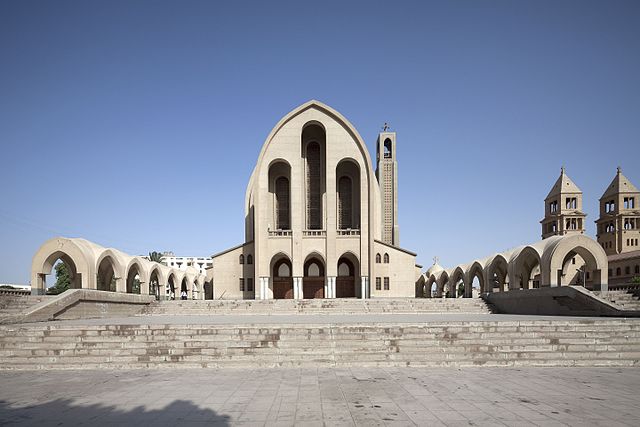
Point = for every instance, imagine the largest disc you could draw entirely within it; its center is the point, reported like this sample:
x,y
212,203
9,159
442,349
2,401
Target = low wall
x,y
87,304
555,301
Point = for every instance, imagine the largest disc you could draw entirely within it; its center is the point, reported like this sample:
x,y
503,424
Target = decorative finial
x,y
386,127
619,169
562,169
435,260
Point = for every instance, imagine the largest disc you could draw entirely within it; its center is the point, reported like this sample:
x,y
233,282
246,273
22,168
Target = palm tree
x,y
155,257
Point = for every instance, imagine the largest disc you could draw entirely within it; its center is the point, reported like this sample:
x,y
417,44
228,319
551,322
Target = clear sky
x,y
136,124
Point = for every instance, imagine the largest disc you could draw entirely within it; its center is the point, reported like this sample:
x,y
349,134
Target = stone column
x,y
332,287
298,284
144,288
264,284
297,288
364,287
326,287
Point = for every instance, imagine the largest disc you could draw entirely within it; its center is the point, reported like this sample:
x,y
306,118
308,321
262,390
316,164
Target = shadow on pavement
x,y
65,412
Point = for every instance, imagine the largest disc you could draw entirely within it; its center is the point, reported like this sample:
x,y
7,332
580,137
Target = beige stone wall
x,y
227,272
623,271
401,271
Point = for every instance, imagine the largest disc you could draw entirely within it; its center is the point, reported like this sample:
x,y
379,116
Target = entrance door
x,y
282,288
345,287
313,287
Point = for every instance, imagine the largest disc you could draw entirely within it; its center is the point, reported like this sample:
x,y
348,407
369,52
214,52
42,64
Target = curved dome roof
x,y
434,269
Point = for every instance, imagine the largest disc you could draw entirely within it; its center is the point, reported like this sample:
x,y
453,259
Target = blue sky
x,y
137,124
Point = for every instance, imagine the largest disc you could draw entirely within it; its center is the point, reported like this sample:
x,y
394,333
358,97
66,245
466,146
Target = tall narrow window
x,y
378,284
250,284
241,259
241,284
314,189
386,258
378,259
249,259
386,283
345,202
282,204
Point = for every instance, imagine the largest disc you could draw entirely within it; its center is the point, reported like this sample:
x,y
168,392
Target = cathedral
x,y
320,221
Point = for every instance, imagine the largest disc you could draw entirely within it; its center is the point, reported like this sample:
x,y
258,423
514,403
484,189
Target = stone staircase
x,y
319,306
623,299
581,342
12,306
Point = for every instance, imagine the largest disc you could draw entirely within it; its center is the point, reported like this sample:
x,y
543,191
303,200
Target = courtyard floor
x,y
357,396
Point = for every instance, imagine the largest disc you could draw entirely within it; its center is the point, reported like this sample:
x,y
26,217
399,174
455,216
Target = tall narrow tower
x,y
387,174
618,228
563,209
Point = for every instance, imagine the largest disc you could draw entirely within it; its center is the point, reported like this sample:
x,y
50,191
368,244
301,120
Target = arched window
x,y
387,148
344,269
249,259
618,271
386,258
241,259
282,204
378,259
345,203
314,190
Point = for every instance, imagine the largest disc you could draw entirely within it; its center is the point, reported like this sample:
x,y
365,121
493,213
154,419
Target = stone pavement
x,y
357,396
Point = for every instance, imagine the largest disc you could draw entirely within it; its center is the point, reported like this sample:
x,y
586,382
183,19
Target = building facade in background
x,y
320,221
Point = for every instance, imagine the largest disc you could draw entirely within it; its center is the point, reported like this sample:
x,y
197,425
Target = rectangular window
x,y
250,284
378,284
241,284
386,283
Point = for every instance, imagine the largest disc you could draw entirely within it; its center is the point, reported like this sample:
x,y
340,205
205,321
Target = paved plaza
x,y
357,396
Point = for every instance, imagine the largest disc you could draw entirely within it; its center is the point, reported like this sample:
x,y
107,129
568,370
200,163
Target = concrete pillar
x,y
364,287
297,288
144,288
264,288
297,284
332,287
326,287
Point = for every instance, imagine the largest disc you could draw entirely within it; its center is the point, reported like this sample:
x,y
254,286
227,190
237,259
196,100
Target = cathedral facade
x,y
320,220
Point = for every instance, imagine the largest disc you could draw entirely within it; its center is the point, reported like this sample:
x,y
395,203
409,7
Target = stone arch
x,y
348,194
443,279
475,270
137,266
157,282
457,275
110,275
421,291
348,268
430,281
524,266
173,283
497,273
556,253
281,269
73,253
279,176
313,142
313,281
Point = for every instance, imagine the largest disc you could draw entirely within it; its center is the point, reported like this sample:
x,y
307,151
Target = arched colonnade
x,y
555,261
92,266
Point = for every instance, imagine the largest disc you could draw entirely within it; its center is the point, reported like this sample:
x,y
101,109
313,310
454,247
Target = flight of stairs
x,y
582,342
11,307
319,306
623,299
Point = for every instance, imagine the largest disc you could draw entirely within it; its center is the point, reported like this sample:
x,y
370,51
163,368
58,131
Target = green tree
x,y
63,279
460,288
155,256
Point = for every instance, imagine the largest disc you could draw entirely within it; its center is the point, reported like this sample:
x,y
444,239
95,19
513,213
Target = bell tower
x,y
563,209
387,174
